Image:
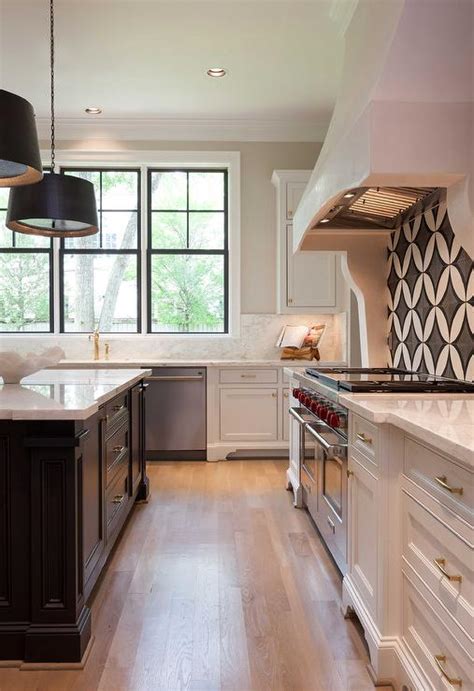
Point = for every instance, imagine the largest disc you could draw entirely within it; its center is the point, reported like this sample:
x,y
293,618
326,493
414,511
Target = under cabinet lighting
x,y
325,220
349,195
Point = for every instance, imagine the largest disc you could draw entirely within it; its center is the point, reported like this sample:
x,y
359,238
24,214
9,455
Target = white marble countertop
x,y
147,362
444,421
66,394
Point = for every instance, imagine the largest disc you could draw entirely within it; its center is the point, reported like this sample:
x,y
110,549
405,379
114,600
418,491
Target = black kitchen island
x,y
71,467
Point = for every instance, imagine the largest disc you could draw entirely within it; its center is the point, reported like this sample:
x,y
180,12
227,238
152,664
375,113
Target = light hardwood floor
x,y
217,583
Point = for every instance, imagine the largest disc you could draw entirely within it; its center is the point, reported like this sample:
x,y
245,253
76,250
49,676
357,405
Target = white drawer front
x,y
426,543
364,437
447,482
247,375
427,637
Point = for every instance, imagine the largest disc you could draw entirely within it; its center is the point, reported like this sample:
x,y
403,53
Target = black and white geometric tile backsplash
x,y
431,304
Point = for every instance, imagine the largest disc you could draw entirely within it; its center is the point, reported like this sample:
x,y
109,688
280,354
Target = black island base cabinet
x,y
66,489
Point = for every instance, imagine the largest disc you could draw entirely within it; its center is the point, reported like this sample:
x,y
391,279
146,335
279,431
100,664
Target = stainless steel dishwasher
x,y
175,414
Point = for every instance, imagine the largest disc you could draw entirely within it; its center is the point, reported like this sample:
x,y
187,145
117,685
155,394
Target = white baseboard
x,y
391,661
218,451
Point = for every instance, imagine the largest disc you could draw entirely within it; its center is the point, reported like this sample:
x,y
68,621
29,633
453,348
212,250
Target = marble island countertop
x,y
212,362
64,395
445,421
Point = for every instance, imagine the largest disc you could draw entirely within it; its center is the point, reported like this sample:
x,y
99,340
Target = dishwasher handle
x,y
176,377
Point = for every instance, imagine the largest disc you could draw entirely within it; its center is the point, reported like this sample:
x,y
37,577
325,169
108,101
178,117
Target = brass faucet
x,y
96,338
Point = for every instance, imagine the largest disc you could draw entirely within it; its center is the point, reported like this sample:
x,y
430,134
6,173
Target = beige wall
x,y
258,204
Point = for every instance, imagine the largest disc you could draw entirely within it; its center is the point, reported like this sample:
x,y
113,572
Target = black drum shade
x,y
20,161
58,206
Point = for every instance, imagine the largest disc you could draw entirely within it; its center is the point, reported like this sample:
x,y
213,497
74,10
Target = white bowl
x,y
14,367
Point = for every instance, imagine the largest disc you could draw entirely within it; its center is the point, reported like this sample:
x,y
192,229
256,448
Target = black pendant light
x,y
20,160
59,205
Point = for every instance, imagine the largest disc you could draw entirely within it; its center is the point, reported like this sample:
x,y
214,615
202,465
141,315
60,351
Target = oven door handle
x,y
297,416
334,449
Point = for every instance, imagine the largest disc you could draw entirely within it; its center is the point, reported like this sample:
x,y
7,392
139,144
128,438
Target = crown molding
x,y
184,129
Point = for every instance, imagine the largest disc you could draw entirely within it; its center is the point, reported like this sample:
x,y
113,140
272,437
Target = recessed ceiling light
x,y
93,110
324,220
349,195
216,72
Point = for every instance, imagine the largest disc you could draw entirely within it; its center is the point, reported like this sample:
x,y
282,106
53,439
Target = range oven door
x,y
307,462
330,452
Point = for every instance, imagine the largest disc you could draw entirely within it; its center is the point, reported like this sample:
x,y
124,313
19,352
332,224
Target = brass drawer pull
x,y
118,449
248,376
118,499
441,564
442,480
349,473
361,436
285,395
440,660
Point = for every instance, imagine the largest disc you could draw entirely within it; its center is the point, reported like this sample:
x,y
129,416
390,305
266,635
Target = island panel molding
x,y
431,308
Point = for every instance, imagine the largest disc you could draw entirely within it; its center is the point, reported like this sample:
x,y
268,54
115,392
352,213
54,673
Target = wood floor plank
x,y
217,584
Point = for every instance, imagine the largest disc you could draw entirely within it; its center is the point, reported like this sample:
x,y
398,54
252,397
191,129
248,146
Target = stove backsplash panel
x,y
431,304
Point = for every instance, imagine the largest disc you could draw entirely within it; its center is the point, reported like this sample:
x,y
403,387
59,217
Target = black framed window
x,y
188,255
26,279
100,274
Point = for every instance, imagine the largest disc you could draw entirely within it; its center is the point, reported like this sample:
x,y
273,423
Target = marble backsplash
x,y
258,335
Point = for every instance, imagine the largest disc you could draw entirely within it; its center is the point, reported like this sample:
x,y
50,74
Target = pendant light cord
x,y
51,56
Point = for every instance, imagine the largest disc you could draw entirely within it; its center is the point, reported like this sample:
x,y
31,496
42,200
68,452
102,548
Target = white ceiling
x,y
147,59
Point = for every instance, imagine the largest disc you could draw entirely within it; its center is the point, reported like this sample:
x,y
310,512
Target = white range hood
x,y
403,119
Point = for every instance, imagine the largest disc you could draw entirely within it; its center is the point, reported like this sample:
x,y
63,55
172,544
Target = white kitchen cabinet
x,y
306,280
294,192
248,414
285,423
362,522
311,280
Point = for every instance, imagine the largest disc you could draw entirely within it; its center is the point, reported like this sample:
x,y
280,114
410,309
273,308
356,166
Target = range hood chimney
x,y
401,139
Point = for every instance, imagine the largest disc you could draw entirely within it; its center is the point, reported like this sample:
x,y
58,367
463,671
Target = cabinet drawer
x,y
364,437
116,500
115,412
428,639
248,376
116,452
447,482
426,543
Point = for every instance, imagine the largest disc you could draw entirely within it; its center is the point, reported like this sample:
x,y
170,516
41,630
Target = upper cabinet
x,y
306,281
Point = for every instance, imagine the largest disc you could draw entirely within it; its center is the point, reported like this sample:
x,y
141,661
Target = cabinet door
x,y
248,414
284,409
136,437
92,493
294,192
294,446
363,539
311,277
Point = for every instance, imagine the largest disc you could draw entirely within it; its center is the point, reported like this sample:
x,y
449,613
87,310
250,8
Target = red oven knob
x,y
300,395
295,392
334,420
307,400
313,405
323,412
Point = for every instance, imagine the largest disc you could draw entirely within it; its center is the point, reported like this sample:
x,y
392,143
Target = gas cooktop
x,y
386,380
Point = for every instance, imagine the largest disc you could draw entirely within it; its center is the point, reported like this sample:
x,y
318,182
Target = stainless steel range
x,y
322,437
